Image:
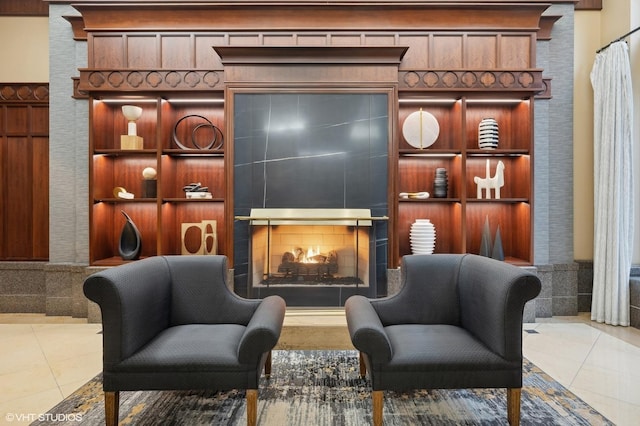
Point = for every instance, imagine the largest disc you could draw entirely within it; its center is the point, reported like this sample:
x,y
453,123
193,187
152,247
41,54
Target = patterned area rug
x,y
324,388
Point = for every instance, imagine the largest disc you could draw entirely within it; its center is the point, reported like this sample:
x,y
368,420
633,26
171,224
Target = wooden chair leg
x,y
111,406
513,406
378,402
252,407
267,366
363,366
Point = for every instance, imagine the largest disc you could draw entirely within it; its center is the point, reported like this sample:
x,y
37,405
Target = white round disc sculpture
x,y
421,129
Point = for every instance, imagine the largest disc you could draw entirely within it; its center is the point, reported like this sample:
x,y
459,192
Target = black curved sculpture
x,y
130,243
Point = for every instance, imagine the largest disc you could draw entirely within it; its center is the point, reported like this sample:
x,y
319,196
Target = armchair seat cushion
x,y
187,348
440,347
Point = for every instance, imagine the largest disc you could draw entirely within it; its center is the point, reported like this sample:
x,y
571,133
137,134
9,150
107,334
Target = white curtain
x,y
613,185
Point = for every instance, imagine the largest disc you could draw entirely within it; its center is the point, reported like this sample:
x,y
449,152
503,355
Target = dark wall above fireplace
x,y
322,150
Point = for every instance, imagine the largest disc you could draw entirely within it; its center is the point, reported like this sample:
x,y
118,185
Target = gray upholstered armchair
x,y
171,323
455,323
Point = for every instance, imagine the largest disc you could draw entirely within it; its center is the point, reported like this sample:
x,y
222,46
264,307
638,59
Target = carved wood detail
x,y
110,80
77,93
546,92
21,92
471,80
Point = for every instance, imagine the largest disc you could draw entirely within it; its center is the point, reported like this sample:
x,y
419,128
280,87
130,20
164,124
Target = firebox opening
x,y
310,247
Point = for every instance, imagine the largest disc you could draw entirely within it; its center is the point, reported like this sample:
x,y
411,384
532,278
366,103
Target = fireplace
x,y
297,253
310,172
311,247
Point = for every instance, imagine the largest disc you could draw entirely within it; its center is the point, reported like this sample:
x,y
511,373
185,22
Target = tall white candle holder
x,y
131,140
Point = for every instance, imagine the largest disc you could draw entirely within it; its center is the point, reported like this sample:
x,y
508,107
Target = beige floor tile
x,y
563,370
20,349
76,368
62,341
622,386
26,382
619,412
614,354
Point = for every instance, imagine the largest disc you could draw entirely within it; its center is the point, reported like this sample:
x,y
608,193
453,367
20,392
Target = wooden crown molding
x,y
312,15
546,26
311,54
77,26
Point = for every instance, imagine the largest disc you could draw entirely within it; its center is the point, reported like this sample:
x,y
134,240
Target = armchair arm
x,y
134,301
492,299
366,330
263,331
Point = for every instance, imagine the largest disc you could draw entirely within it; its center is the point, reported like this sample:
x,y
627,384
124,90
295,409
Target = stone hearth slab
x,y
314,329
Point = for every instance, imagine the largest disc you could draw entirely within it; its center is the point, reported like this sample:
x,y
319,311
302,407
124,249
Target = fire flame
x,y
309,256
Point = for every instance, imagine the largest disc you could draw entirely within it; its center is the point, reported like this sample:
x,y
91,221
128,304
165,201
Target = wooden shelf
x,y
124,201
429,200
158,219
193,200
124,152
460,217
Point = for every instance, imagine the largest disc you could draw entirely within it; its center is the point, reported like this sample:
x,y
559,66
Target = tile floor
x,y
44,359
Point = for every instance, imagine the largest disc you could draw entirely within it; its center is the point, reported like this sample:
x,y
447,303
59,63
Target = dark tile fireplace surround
x,y
310,151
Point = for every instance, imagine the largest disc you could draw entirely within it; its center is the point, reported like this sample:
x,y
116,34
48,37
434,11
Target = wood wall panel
x,y
24,172
142,52
40,120
481,52
206,57
278,39
244,39
345,40
18,208
515,52
380,40
24,8
417,56
447,52
311,39
177,52
40,199
107,51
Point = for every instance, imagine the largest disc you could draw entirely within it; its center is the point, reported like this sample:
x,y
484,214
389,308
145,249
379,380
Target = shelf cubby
x,y
158,219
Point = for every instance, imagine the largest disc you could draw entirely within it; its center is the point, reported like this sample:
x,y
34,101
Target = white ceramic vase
x,y
423,237
488,134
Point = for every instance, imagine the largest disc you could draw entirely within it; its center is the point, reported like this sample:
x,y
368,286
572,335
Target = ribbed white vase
x,y
423,237
488,134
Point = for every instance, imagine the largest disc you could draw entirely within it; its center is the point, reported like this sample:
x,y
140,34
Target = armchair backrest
x,y
492,299
429,292
199,292
129,318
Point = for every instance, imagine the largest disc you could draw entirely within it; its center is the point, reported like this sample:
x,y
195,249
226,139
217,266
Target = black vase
x,y
130,241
